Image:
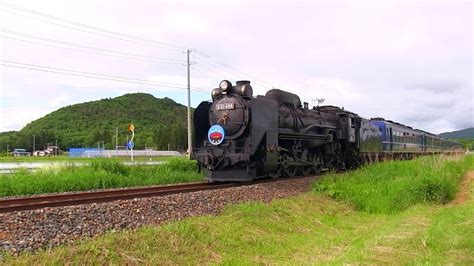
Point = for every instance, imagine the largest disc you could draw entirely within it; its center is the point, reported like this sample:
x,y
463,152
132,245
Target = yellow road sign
x,y
131,127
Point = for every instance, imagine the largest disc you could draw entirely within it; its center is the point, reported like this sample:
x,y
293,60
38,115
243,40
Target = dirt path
x,y
463,193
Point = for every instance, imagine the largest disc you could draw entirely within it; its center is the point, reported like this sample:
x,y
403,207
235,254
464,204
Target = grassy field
x,y
100,174
312,228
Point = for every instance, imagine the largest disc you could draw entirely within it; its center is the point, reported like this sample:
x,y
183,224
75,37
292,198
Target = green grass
x,y
312,228
63,158
100,174
396,185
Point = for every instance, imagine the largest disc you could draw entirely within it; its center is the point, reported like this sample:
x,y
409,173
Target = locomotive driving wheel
x,y
290,171
287,165
306,170
311,160
304,157
316,164
278,173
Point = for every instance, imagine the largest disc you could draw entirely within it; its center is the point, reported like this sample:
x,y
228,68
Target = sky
x,y
408,61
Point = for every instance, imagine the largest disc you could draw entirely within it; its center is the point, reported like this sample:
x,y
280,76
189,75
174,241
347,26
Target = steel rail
x,y
76,198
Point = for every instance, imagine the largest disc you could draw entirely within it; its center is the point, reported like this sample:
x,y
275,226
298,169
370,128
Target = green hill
x,y
158,123
467,133
464,136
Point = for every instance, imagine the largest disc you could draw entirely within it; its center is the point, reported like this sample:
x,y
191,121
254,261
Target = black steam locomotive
x,y
241,138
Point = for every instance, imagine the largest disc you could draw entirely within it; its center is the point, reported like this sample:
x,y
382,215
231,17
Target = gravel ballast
x,y
49,227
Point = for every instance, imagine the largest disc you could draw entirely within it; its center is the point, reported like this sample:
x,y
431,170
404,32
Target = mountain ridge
x,y
467,133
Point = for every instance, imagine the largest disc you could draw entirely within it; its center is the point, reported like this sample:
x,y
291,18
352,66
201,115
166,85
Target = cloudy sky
x,y
409,62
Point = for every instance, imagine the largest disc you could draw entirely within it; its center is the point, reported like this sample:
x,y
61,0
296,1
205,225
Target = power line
x,y
84,72
194,88
208,68
87,47
88,31
127,38
206,71
87,76
69,72
39,16
232,69
142,41
130,56
101,78
215,70
95,30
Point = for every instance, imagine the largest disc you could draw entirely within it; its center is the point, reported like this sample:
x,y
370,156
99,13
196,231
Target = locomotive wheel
x,y
278,173
317,165
290,171
306,170
317,170
287,169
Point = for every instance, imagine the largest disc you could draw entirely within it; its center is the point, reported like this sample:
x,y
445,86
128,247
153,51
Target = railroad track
x,y
76,198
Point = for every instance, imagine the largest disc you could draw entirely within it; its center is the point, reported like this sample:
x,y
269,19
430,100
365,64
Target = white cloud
x,y
406,61
60,100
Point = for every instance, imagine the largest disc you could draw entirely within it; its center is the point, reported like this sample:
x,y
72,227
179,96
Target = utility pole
x,y
116,141
188,51
34,144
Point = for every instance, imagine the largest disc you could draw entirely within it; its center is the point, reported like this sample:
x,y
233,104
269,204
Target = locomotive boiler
x,y
239,137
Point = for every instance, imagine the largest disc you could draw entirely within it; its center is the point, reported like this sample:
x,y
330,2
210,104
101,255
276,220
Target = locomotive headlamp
x,y
225,84
216,93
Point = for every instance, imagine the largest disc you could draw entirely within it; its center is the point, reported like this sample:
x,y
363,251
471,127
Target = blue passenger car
x,y
399,138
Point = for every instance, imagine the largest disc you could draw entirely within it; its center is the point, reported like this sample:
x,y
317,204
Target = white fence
x,y
125,153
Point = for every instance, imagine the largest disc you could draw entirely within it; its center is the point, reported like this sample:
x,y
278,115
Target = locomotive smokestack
x,y
305,105
242,82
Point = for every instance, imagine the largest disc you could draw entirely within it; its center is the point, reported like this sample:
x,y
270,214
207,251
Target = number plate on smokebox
x,y
225,106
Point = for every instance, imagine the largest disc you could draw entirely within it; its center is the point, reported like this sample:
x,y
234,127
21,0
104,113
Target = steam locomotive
x,y
239,137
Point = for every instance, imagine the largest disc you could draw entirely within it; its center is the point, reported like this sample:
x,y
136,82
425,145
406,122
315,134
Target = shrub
x,y
181,165
111,166
99,174
396,185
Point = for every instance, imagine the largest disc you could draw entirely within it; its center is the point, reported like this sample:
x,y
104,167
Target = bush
x,y
110,166
396,185
181,165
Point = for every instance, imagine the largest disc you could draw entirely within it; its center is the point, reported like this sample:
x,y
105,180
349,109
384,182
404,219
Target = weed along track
x,y
37,202
332,218
48,227
76,198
